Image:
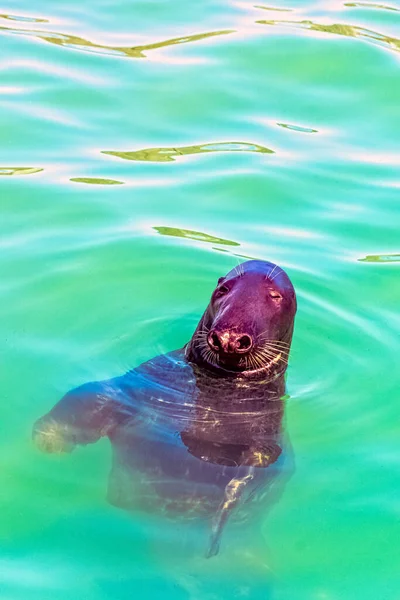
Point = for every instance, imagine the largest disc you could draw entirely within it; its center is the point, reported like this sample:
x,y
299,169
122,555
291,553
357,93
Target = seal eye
x,y
221,291
275,295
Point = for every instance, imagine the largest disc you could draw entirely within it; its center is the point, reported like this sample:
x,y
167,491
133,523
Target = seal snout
x,y
229,342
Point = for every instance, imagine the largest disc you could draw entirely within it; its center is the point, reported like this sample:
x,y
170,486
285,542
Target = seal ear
x,y
220,280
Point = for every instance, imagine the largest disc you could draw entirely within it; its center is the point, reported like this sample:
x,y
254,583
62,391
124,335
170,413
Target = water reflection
x,y
194,235
354,31
79,43
381,258
370,5
96,181
273,8
170,154
297,128
23,19
19,170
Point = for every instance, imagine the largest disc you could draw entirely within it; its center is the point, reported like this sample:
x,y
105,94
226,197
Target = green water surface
x,y
145,147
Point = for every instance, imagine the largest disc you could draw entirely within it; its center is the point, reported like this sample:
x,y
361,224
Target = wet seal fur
x,y
197,431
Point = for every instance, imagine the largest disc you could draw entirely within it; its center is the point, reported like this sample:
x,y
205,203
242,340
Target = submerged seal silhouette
x,y
222,394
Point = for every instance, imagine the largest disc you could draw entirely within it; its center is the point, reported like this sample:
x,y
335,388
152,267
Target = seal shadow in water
x,y
197,432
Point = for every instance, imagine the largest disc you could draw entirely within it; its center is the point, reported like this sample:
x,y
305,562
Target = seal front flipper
x,y
233,493
261,457
82,416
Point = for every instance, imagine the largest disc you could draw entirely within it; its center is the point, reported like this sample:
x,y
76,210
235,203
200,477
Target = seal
x,y
197,431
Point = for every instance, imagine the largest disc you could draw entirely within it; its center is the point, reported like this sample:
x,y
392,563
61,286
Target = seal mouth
x,y
249,363
242,356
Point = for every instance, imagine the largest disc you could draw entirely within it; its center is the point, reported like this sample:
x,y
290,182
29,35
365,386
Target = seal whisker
x,y
209,356
261,361
280,342
202,338
271,271
271,351
247,362
265,358
258,361
275,349
262,336
282,347
262,333
276,274
199,336
264,363
260,357
273,357
202,331
239,268
253,361
267,351
203,343
279,358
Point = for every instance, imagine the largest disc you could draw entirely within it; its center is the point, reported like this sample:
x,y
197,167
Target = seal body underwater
x,y
197,431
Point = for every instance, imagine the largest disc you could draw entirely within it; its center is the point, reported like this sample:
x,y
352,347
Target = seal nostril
x,y
244,342
214,341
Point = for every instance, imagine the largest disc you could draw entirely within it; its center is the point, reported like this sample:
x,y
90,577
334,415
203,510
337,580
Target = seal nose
x,y
230,342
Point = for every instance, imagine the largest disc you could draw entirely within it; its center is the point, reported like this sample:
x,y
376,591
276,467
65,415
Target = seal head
x,y
247,327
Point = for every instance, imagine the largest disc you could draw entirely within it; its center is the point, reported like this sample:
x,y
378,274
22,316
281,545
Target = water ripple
x,y
370,5
381,258
97,279
391,43
96,181
297,128
169,154
194,235
273,8
19,170
23,19
79,43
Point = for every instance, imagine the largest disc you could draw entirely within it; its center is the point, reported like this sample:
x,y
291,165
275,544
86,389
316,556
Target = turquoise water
x,y
145,148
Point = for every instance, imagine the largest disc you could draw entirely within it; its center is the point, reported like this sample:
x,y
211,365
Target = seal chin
x,y
229,362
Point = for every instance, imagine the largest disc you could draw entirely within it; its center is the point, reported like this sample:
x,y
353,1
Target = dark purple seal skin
x,y
197,432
